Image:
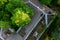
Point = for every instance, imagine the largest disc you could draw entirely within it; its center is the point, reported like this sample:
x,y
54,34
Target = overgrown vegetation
x,y
46,2
50,2
14,13
20,18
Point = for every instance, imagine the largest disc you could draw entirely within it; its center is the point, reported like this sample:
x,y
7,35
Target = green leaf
x,y
2,2
46,2
20,18
58,2
10,7
4,24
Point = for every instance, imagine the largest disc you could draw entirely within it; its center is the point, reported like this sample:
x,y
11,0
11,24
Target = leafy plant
x,y
46,2
2,2
20,18
19,4
14,13
4,16
58,2
10,7
4,24
28,10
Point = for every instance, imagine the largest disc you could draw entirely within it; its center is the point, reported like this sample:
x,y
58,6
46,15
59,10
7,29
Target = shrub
x,y
20,18
46,2
58,2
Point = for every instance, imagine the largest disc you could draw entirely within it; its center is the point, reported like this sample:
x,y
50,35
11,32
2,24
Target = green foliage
x,y
20,18
17,3
15,12
4,24
28,10
2,2
10,7
52,2
1,14
48,38
58,2
4,16
46,2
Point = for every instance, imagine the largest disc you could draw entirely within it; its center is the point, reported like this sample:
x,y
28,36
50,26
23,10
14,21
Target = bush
x,y
14,13
58,2
2,2
4,24
46,2
20,18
